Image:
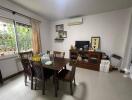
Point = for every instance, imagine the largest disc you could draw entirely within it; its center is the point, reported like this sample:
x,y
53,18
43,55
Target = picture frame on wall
x,y
60,27
95,43
62,34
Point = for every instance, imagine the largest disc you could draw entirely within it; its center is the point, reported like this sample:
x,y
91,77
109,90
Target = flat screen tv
x,y
82,44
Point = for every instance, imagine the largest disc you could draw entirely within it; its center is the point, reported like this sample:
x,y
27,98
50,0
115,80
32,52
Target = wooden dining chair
x,y
27,68
67,76
26,55
25,60
41,74
58,54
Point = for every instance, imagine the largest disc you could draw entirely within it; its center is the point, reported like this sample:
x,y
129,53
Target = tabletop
x,y
57,64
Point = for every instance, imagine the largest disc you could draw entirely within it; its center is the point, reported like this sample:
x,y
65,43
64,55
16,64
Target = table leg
x,y
55,83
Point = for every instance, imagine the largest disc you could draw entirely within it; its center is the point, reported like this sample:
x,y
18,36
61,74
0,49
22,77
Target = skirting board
x,y
12,75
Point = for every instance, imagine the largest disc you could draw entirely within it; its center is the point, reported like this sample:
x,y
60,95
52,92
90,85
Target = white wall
x,y
44,26
112,27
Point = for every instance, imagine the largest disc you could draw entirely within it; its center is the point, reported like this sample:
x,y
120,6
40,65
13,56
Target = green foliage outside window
x,y
8,38
24,37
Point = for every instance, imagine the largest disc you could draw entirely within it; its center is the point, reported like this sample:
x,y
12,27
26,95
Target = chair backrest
x,y
26,65
38,70
26,55
58,54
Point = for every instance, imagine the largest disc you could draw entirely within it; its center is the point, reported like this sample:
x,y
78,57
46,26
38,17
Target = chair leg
x,y
71,87
31,82
43,91
35,83
25,79
74,82
29,77
65,66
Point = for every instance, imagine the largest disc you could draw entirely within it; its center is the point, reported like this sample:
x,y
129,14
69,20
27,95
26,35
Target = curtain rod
x,y
14,12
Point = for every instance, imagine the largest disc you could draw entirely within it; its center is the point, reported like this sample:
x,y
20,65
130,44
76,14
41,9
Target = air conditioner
x,y
75,21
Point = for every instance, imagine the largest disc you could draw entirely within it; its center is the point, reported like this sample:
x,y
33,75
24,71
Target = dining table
x,y
57,65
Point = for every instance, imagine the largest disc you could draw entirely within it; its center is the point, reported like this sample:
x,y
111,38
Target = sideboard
x,y
89,59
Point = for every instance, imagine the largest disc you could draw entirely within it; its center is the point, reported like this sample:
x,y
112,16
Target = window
x,y
7,37
24,37
12,41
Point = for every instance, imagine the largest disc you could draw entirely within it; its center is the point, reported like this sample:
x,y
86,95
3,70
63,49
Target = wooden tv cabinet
x,y
90,59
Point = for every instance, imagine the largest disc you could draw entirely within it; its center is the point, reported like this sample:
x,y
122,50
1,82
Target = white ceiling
x,y
60,9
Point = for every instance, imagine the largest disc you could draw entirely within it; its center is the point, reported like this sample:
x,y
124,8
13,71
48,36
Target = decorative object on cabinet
x,y
79,58
95,43
59,27
72,47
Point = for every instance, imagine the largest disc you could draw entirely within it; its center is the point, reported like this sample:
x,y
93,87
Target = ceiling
x,y
61,9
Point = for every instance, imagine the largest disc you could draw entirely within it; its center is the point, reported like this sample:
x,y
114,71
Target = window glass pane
x,y
7,37
24,37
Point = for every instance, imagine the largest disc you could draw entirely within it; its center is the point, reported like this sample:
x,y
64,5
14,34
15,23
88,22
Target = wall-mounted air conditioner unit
x,y
75,21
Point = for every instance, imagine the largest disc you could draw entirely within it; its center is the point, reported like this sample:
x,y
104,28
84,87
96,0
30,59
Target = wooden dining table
x,y
57,65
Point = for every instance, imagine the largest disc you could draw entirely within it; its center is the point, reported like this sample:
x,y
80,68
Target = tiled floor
x,y
97,86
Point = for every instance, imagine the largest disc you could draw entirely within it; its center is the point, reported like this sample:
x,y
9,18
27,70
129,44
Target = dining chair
x,y
58,54
67,76
26,55
25,58
27,68
41,74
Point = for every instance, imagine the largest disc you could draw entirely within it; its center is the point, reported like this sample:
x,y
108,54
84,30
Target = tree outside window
x,y
24,37
9,40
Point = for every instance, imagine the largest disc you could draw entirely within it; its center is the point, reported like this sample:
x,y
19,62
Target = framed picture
x,y
62,34
95,43
59,27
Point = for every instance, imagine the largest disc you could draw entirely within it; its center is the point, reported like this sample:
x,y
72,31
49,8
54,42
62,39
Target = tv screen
x,y
82,44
